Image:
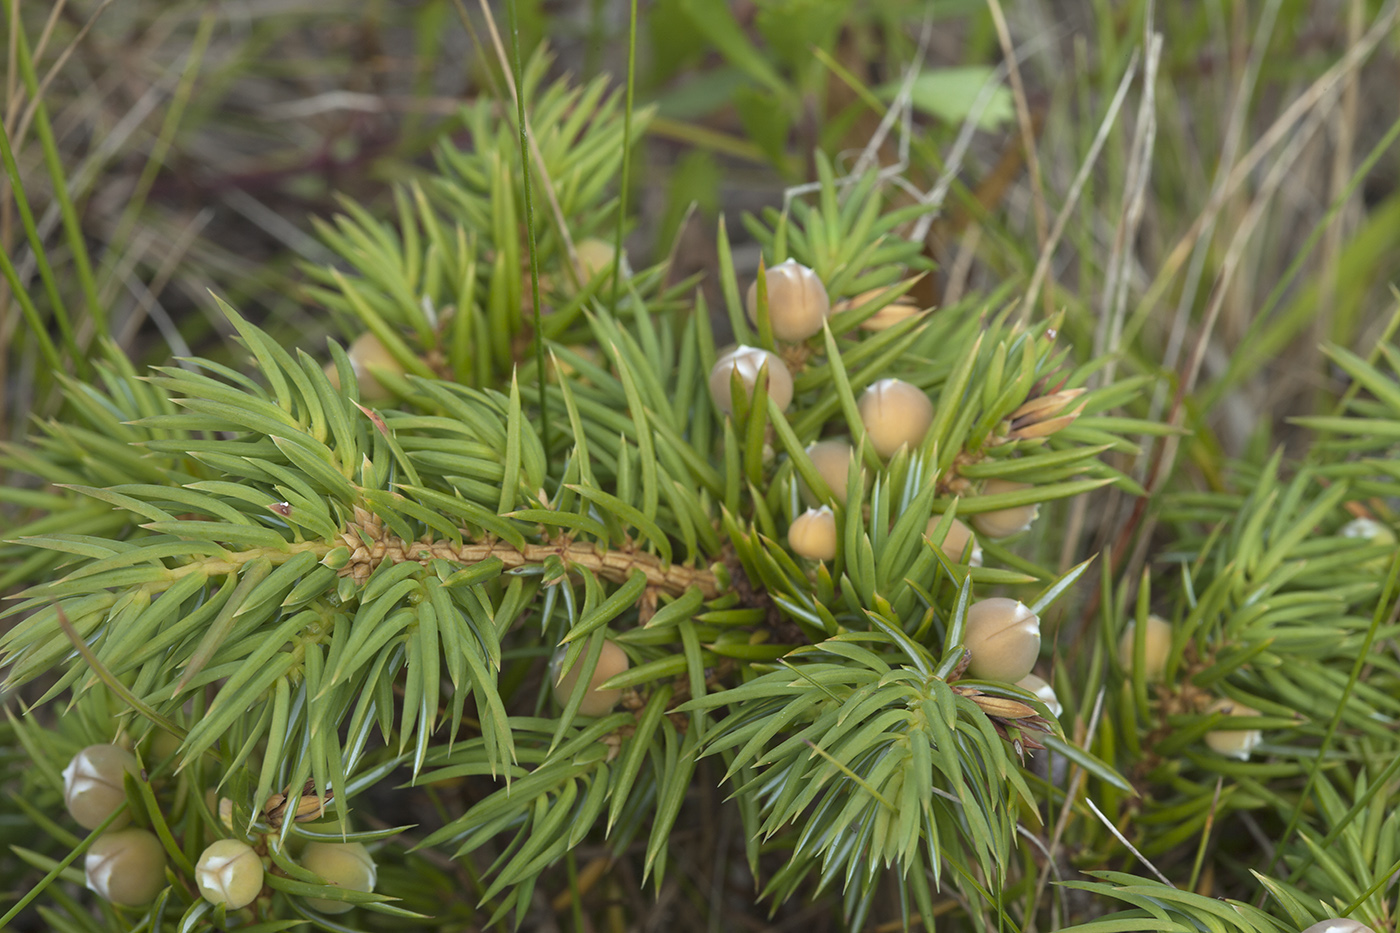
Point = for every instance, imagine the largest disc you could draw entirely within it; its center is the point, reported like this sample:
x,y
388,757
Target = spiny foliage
x,y
309,592
317,594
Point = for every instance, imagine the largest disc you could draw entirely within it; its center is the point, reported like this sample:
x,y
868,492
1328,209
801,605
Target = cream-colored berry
x,y
1233,743
368,353
955,544
344,864
900,309
1156,651
126,867
1370,530
1003,523
797,301
596,702
595,257
813,534
1043,692
1339,925
833,462
93,784
221,807
229,872
747,362
895,414
1003,636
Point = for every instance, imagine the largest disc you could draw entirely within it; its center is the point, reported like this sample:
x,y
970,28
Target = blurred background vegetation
x,y
1208,191
199,143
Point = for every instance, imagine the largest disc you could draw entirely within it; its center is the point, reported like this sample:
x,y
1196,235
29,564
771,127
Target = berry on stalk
x,y
1002,523
344,864
229,872
1003,636
747,362
797,301
1156,650
895,414
813,534
93,784
126,867
596,701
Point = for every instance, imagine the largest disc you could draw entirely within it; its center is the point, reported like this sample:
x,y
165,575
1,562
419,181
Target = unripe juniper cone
x,y
1043,692
367,354
126,867
1368,529
1233,743
832,459
93,786
955,543
595,258
895,414
747,362
900,309
596,702
160,746
813,534
222,807
1002,523
1339,925
797,301
229,872
1003,636
1156,650
344,864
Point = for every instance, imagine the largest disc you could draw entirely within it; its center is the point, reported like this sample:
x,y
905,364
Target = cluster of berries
x,y
127,866
1156,649
1003,636
893,413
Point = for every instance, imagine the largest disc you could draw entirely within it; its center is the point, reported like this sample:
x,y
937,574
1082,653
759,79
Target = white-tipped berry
x,y
813,534
747,362
1339,925
229,872
126,867
1368,529
596,702
797,301
344,864
367,353
895,414
955,543
1233,743
833,462
1003,523
1003,636
1043,692
1156,650
93,784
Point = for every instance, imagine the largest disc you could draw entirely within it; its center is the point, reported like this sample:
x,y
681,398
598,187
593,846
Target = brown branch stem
x,y
615,566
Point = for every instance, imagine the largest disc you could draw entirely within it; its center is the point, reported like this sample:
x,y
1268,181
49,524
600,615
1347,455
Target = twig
x,y
1128,845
